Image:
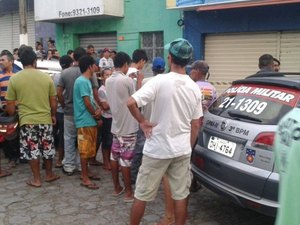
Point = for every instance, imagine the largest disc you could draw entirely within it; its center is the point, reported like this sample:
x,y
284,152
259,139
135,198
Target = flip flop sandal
x,y
96,163
166,221
29,182
5,173
94,177
106,168
54,178
91,186
118,194
128,200
57,165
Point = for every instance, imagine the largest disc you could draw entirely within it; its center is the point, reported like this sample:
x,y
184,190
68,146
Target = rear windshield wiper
x,y
242,116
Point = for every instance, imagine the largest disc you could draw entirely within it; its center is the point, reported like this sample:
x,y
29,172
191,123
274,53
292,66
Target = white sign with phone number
x,y
58,9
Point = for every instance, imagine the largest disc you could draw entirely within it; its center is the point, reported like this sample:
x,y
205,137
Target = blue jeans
x,y
138,155
71,158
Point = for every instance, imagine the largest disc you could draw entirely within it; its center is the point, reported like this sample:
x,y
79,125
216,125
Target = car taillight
x,y
8,129
11,128
198,161
264,140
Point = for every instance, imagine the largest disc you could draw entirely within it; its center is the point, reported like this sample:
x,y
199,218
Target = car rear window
x,y
261,104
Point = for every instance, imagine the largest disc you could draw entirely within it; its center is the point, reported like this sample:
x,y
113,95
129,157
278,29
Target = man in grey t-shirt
x,y
119,88
65,97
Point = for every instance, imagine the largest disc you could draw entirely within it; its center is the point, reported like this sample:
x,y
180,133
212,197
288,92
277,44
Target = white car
x,y
50,67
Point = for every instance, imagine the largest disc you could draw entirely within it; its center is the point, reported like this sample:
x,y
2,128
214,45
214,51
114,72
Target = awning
x,y
242,4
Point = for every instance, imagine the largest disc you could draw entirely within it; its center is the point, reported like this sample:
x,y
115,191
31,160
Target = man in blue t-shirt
x,y
85,115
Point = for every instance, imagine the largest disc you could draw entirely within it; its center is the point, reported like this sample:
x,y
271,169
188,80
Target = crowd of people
x,y
145,127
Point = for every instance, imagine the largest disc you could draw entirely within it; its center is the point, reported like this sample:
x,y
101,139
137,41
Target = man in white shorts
x,y
170,133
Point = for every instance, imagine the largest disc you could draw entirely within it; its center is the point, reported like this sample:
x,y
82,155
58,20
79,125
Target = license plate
x,y
221,146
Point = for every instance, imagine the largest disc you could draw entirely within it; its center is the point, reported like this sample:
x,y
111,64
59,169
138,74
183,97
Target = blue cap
x,y
158,63
180,48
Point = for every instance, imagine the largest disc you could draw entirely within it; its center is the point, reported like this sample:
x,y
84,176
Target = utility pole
x,y
23,22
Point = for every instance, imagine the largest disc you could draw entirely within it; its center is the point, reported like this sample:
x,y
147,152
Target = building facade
x,y
10,26
232,35
119,25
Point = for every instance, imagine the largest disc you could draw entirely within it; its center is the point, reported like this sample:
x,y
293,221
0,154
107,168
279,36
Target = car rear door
x,y
236,139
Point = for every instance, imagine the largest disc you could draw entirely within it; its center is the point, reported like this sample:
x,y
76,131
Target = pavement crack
x,y
14,203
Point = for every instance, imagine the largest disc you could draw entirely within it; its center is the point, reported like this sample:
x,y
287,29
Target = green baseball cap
x,y
180,48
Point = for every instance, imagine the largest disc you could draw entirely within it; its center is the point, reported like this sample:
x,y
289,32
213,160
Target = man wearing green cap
x,y
171,132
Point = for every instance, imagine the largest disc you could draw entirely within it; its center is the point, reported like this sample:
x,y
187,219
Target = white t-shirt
x,y
147,109
103,98
119,88
133,73
106,63
176,100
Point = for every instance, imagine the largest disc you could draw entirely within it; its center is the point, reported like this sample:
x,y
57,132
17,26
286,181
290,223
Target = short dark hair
x,y
276,60
85,62
69,52
8,54
28,57
265,60
90,46
138,55
65,61
22,48
178,61
121,59
15,50
51,41
38,43
201,66
78,53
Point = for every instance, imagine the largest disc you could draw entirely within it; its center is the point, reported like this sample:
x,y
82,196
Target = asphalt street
x,y
65,202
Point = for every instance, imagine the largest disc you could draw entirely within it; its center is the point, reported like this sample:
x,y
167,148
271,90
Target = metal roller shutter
x,y
235,56
99,40
290,51
6,34
10,31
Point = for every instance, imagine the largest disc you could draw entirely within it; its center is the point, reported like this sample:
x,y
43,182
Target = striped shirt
x,y
4,80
